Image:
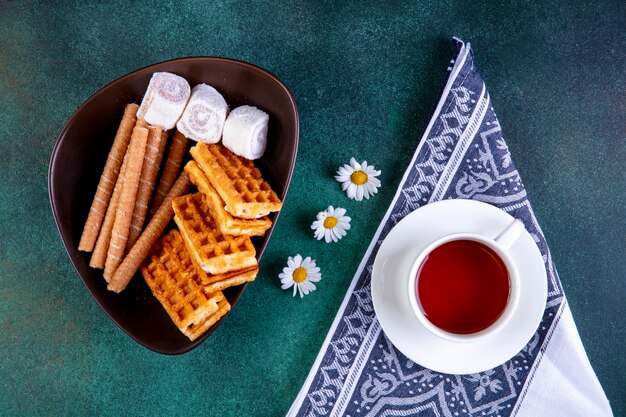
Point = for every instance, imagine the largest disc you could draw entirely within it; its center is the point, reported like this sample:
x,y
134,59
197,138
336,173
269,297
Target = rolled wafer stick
x,y
126,204
108,179
99,255
150,235
149,171
170,170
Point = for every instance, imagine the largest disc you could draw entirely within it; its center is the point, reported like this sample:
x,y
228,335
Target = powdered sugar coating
x,y
245,131
171,87
204,117
165,100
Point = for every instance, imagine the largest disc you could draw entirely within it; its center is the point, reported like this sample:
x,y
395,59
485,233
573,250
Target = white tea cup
x,y
500,245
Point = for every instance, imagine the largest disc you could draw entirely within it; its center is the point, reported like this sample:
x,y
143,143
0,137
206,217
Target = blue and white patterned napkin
x,y
358,372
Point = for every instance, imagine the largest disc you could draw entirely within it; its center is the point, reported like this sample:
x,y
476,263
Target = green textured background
x,y
365,78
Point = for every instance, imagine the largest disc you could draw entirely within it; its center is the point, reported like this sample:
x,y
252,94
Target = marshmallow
x,y
203,119
245,132
165,100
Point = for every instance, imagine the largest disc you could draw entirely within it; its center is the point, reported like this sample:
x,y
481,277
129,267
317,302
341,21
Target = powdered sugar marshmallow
x,y
245,131
203,119
164,101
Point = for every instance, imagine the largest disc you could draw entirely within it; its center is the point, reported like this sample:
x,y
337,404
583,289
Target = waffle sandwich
x,y
215,252
237,181
172,278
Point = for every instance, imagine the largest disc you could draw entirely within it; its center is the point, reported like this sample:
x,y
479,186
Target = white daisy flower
x,y
359,180
301,274
331,224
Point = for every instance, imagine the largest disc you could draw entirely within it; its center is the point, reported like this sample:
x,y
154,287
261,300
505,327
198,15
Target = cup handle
x,y
509,236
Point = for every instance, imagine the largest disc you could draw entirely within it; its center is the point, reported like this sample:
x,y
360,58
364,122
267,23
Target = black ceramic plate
x,y
81,151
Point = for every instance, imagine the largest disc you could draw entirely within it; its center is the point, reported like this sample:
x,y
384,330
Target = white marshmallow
x,y
245,131
165,100
204,116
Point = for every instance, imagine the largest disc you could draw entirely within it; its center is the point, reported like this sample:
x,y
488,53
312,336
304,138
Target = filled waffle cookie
x,y
237,180
171,276
220,282
228,224
210,282
215,252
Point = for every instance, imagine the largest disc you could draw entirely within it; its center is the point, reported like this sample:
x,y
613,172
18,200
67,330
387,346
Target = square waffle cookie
x,y
237,181
215,252
173,280
228,224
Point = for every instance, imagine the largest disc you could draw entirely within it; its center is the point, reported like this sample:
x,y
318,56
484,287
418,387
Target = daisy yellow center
x,y
299,275
330,222
358,177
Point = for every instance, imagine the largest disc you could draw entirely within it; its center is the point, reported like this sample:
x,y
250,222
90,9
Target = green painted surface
x,y
366,78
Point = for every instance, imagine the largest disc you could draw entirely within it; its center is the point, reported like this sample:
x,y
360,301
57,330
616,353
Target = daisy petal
x,y
343,171
352,190
359,193
371,172
310,287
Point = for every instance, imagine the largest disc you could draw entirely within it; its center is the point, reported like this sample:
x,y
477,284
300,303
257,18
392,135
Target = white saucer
x,y
391,301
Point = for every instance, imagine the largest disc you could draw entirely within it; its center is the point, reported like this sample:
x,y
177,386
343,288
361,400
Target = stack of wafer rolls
x,y
126,203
